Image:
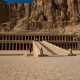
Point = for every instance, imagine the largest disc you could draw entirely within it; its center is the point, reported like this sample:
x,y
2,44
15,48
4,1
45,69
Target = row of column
x,y
40,38
56,38
15,46
24,46
68,46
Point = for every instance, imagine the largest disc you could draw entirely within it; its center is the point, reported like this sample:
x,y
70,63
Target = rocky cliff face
x,y
43,15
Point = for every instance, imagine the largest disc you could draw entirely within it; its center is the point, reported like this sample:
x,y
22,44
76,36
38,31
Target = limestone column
x,y
73,38
9,46
23,46
70,39
16,46
65,38
18,37
2,46
21,37
46,38
25,37
72,45
63,45
42,37
67,46
5,46
75,46
62,38
34,37
9,37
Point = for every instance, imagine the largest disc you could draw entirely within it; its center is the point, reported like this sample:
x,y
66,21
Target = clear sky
x,y
19,1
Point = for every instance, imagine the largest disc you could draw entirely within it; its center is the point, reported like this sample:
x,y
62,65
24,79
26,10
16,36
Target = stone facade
x,y
18,41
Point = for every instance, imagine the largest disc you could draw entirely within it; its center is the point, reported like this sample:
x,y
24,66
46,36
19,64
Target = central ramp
x,y
36,49
48,49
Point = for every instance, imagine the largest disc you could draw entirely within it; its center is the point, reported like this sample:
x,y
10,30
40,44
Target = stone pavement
x,y
39,68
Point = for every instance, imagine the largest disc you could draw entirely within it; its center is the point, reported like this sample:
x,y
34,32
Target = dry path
x,y
39,68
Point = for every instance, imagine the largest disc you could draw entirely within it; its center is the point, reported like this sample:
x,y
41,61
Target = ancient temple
x,y
24,41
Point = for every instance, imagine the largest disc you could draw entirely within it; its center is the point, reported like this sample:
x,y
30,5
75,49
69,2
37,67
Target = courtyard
x,y
39,68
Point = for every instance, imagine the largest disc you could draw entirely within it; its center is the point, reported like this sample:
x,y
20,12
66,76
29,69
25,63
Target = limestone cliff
x,y
43,15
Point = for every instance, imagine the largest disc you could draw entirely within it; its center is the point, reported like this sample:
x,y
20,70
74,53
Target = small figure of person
x,y
41,51
70,50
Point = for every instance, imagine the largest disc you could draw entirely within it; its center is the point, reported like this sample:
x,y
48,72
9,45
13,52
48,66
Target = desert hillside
x,y
57,16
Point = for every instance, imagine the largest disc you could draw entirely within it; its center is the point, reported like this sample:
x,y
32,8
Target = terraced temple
x,y
24,41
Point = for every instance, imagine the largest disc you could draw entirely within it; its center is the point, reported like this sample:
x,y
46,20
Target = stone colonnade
x,y
38,37
73,45
24,41
15,46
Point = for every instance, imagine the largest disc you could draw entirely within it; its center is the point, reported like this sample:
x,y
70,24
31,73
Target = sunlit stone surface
x,y
41,68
